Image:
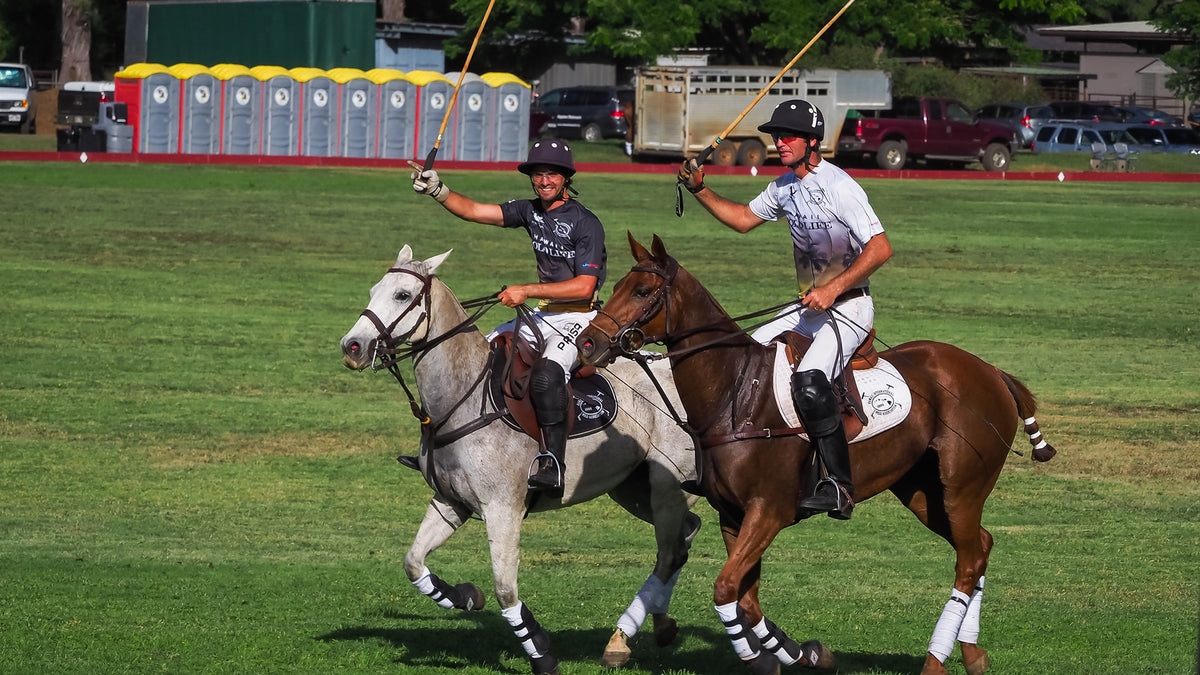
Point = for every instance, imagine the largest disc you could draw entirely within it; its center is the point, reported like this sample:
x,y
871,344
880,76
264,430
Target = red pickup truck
x,y
925,128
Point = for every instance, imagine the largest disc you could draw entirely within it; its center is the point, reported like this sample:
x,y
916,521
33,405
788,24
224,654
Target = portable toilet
x,y
396,114
241,109
472,132
151,94
280,111
199,109
509,117
433,95
318,112
357,111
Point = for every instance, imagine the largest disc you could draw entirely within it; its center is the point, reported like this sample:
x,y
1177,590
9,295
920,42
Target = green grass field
x,y
190,481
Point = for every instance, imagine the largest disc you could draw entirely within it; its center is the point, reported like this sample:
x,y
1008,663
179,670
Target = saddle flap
x,y
593,401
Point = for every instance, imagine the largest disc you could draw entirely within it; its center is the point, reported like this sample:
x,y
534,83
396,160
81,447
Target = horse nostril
x,y
353,348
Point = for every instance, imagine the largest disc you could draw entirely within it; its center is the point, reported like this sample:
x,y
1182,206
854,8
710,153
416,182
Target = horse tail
x,y
1026,407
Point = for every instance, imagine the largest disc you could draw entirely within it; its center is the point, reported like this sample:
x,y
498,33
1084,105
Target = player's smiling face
x,y
548,183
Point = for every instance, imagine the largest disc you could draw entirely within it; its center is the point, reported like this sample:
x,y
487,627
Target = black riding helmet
x,y
550,152
796,116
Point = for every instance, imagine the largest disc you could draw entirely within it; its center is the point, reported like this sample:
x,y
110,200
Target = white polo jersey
x,y
830,220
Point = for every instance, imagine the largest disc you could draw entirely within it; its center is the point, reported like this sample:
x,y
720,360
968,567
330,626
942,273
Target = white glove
x,y
428,183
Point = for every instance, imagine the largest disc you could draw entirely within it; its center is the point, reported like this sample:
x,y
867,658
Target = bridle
x,y
629,337
389,352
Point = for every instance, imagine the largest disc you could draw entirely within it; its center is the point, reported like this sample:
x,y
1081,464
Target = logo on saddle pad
x,y
885,395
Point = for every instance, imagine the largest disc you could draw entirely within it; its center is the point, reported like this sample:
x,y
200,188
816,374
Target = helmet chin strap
x,y
561,194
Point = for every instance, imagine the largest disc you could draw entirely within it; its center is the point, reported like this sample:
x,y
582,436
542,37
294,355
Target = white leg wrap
x,y
425,584
653,598
969,633
523,632
735,626
633,618
946,630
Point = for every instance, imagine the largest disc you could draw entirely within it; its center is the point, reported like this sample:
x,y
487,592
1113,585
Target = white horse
x,y
640,460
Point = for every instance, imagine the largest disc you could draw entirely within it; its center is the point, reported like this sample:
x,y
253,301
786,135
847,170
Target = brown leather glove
x,y
691,175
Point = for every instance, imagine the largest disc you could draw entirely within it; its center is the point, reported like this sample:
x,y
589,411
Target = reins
x,y
388,355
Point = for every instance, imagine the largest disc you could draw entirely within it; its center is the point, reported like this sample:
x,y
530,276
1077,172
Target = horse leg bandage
x,y
948,625
745,642
533,638
653,598
969,632
777,642
445,595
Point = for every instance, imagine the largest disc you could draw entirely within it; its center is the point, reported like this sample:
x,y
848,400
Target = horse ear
x,y
432,264
639,252
405,255
660,251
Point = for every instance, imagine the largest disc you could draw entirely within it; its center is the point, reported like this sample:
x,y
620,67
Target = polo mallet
x,y
450,107
708,151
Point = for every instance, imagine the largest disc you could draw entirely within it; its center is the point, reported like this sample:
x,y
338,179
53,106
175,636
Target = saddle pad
x,y
885,395
593,401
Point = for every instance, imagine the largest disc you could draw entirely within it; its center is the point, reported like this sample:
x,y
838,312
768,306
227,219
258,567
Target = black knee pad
x,y
814,399
548,391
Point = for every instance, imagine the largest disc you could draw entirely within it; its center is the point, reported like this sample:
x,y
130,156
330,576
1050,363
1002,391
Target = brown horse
x,y
942,461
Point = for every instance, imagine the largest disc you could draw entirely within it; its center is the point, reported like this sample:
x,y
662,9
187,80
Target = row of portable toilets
x,y
345,112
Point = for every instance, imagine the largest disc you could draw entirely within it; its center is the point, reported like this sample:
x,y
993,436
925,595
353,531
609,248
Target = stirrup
x,y
839,505
536,481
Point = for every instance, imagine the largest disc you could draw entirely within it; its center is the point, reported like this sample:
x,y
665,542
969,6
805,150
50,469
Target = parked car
x,y
925,128
586,112
1158,138
1086,111
1139,115
18,105
1023,118
1080,136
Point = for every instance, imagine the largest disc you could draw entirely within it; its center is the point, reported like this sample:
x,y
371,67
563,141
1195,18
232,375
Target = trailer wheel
x,y
751,153
725,154
892,155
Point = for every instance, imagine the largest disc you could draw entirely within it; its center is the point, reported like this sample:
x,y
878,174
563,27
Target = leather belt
x,y
851,294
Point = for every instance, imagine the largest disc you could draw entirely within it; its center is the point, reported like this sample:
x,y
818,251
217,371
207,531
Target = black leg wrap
x,y
783,647
764,664
821,416
462,596
536,643
739,629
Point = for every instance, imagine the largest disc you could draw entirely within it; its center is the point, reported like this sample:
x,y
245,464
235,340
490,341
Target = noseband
x,y
382,358
629,337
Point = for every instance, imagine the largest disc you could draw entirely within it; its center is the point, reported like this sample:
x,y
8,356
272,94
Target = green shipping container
x,y
290,34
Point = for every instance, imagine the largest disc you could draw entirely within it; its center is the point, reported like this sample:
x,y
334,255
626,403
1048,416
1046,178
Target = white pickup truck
x,y
18,105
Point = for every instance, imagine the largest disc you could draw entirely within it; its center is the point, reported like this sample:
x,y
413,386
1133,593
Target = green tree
x,y
1183,20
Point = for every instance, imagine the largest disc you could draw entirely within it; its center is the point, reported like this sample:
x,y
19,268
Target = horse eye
x,y
403,296
642,291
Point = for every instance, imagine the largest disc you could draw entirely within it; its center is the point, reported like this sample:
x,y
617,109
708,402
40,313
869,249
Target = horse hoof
x,y
617,652
933,666
813,654
978,662
665,630
473,598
